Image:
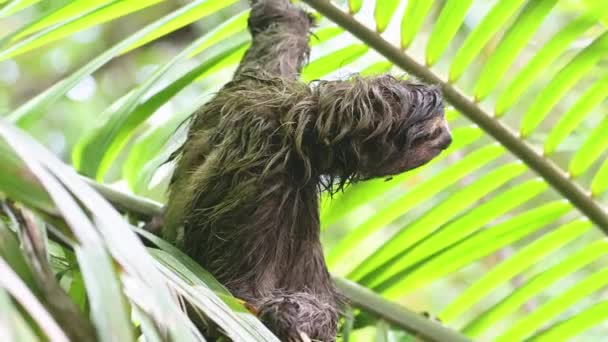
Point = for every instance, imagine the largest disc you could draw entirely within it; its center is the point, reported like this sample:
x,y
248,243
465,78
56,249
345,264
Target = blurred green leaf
x,y
383,13
333,61
355,5
576,114
357,194
412,20
565,79
468,224
96,150
15,6
590,151
449,21
415,196
516,264
33,109
430,221
555,306
491,23
574,325
100,13
546,55
517,36
19,291
535,285
600,181
473,248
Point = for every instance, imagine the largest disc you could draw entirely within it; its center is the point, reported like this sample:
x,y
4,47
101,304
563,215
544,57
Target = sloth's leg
x,y
279,47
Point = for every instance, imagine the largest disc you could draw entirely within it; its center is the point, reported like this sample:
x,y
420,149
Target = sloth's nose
x,y
444,140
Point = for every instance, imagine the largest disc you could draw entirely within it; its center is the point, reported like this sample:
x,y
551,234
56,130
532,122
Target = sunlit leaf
x,y
535,285
547,55
450,20
589,152
492,22
555,306
412,20
576,114
383,13
515,39
516,264
565,79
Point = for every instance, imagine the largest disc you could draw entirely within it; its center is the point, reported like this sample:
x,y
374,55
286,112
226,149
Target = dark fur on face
x,y
244,195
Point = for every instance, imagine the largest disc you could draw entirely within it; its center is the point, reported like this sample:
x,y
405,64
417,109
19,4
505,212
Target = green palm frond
x,y
521,194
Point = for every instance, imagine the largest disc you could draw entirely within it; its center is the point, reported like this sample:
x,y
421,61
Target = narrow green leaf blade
x,y
15,6
574,325
547,55
384,12
354,6
324,34
516,38
333,61
195,12
108,308
450,20
535,285
78,7
430,221
412,20
474,248
98,15
600,181
415,196
30,110
232,26
18,183
378,68
516,264
555,306
12,284
491,23
95,152
358,194
565,79
576,114
468,224
591,150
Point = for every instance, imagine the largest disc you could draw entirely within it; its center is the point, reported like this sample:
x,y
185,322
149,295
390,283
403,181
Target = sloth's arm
x,y
279,47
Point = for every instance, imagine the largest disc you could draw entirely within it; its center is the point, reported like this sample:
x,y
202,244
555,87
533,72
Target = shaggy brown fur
x,y
244,195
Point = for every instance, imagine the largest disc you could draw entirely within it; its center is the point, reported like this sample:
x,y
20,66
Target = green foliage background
x,y
502,236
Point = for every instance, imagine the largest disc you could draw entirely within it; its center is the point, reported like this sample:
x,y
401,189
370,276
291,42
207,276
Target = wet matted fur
x,y
244,195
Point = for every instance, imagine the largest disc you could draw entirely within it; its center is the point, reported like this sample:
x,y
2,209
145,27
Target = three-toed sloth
x,y
244,195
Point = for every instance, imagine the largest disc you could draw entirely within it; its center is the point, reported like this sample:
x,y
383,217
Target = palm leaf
x,y
492,191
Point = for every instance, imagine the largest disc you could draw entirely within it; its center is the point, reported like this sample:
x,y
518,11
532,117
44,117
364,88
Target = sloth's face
x,y
433,136
421,137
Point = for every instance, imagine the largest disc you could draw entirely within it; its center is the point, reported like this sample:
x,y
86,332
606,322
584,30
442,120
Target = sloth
x,y
244,195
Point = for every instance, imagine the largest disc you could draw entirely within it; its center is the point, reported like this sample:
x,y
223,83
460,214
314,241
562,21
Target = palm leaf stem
x,y
558,178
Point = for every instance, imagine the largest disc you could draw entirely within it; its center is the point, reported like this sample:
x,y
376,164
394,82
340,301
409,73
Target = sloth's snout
x,y
441,137
444,139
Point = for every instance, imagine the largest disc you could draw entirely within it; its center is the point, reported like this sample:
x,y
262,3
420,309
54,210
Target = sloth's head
x,y
381,126
419,136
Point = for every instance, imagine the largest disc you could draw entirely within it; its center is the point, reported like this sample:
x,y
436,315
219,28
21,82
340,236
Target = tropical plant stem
x,y
359,296
544,167
395,314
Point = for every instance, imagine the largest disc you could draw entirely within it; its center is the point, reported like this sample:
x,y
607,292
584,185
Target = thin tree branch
x,y
544,167
396,314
